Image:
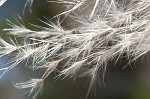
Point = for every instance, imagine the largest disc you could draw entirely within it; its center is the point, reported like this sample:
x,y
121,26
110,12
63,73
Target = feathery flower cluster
x,y
105,30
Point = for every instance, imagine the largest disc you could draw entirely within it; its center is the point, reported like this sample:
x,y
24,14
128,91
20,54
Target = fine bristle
x,y
106,30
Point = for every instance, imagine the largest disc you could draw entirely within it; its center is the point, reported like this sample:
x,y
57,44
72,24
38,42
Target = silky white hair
x,y
106,30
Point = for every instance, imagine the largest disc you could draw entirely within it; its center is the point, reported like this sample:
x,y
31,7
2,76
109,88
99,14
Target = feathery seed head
x,y
105,30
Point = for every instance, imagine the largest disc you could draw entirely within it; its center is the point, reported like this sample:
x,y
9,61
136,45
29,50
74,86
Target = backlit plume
x,y
103,31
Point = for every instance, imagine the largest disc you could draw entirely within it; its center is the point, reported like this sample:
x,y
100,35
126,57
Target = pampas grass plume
x,y
106,30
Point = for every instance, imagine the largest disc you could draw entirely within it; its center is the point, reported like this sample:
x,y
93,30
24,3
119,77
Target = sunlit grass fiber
x,y
105,30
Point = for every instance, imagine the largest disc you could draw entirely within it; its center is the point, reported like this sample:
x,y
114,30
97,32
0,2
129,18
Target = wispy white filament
x,y
2,2
106,30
